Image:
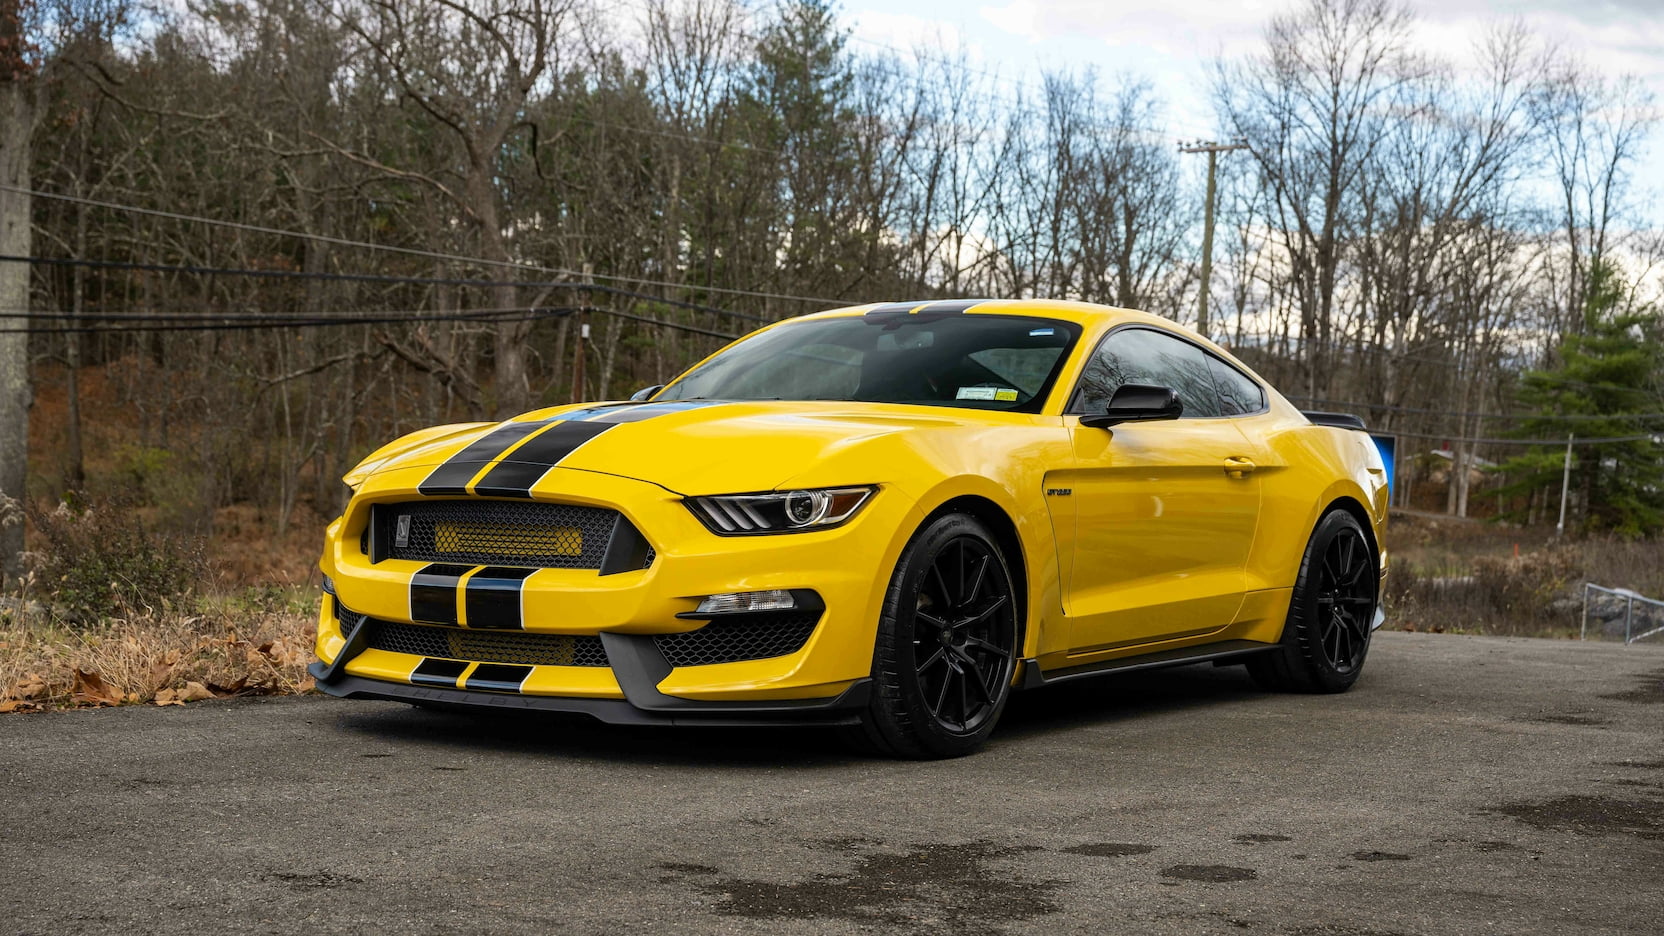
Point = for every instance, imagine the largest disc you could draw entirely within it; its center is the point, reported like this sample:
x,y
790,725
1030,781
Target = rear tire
x,y
947,645
1330,615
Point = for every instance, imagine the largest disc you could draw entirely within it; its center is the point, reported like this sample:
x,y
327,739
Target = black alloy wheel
x,y
963,631
1331,614
1345,600
947,644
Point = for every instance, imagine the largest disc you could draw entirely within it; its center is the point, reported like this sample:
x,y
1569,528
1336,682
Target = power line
x,y
1570,417
410,251
268,321
1554,442
378,278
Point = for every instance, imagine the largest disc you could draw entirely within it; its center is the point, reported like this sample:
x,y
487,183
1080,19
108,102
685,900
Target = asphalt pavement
x,y
1466,785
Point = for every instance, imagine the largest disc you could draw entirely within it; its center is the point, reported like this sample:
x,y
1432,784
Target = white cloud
x,y
906,32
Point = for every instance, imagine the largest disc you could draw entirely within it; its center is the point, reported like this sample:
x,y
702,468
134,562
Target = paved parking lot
x,y
1467,785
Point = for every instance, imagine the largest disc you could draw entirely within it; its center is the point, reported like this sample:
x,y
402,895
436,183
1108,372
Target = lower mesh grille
x,y
455,643
490,532
743,637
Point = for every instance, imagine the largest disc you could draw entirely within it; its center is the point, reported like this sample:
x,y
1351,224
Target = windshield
x,y
998,362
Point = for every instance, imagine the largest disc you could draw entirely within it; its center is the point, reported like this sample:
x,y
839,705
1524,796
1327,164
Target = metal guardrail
x,y
1630,600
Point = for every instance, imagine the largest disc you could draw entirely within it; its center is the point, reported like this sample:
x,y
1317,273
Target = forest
x,y
242,244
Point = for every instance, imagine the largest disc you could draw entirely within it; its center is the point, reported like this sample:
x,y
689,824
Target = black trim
x,y
1071,406
498,677
357,641
437,672
843,709
1337,420
1034,677
627,549
492,598
519,472
433,592
453,476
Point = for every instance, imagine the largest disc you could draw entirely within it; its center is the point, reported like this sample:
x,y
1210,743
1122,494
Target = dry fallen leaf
x,y
89,689
17,705
235,688
31,686
193,692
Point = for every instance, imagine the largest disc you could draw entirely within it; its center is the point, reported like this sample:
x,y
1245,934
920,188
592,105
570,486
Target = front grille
x,y
455,643
743,637
504,533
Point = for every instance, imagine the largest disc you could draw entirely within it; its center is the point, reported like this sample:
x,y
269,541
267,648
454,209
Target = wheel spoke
x,y
976,583
942,694
985,613
962,597
988,647
941,584
932,660
1329,567
932,620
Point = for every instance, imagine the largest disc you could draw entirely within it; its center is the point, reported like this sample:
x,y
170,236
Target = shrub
x,y
99,560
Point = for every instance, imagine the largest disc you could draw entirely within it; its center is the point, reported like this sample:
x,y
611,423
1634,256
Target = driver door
x,y
1165,511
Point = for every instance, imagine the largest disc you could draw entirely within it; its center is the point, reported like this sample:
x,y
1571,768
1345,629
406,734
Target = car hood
x,y
687,447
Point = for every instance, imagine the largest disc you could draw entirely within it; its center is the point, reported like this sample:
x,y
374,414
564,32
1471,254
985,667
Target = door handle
x,y
1238,467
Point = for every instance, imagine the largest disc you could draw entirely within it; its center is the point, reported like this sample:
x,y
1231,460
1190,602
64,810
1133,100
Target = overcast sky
x,y
1171,42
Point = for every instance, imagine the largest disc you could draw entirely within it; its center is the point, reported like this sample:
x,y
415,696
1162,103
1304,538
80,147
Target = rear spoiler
x,y
1338,420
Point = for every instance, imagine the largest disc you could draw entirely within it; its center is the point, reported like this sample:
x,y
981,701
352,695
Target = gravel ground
x,y
1466,785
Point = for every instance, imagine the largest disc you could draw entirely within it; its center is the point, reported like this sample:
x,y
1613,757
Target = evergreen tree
x,y
1607,377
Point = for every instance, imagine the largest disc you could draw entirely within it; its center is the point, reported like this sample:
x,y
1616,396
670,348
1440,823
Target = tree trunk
x,y
17,117
75,477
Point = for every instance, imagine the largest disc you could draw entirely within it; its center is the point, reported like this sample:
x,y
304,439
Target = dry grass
x,y
254,643
1468,577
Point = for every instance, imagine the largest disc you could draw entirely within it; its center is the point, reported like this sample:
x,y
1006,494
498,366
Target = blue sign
x,y
1387,445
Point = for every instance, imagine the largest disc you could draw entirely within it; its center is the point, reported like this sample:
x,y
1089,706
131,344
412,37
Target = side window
x,y
1146,356
1238,394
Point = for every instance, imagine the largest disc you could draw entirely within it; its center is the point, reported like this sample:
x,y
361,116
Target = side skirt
x,y
1228,650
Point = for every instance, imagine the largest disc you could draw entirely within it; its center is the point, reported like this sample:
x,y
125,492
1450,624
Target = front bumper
x,y
824,681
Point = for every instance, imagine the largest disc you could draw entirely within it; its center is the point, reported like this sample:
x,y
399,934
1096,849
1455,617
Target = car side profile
x,y
887,518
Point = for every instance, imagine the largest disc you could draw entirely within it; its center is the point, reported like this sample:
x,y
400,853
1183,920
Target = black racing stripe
x,y
498,677
653,410
453,476
950,305
433,593
515,476
895,308
436,672
493,598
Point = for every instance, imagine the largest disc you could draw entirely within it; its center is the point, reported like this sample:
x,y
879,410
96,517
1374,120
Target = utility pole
x,y
583,337
1213,150
17,123
1565,485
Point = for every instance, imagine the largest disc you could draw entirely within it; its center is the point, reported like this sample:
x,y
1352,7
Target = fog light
x,y
329,585
745,602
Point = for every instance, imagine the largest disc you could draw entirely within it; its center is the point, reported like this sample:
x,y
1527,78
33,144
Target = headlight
x,y
779,511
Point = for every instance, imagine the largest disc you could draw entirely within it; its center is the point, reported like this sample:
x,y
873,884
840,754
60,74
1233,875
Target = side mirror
x,y
1137,403
645,393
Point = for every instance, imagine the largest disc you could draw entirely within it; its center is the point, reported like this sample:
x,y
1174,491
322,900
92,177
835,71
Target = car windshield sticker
x,y
1042,332
975,393
1005,395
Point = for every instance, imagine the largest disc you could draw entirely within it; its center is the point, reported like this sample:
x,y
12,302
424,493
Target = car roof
x,y
1081,313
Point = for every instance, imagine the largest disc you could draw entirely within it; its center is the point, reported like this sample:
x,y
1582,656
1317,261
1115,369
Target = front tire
x,y
1330,616
947,644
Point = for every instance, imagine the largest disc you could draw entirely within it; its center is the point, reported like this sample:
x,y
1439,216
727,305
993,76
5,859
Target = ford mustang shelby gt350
x,y
886,517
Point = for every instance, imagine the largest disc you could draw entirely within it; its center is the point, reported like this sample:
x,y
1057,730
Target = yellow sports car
x,y
886,517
